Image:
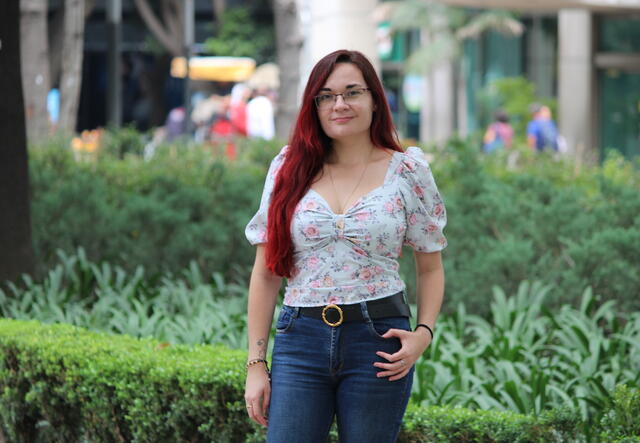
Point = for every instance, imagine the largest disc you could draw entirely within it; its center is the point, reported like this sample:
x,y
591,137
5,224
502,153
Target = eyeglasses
x,y
324,101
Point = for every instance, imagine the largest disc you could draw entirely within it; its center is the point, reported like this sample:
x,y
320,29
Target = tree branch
x,y
157,29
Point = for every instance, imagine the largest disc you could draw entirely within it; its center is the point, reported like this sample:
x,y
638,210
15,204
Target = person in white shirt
x,y
260,120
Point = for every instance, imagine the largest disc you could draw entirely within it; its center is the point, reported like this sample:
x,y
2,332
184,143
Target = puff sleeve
x,y
256,230
424,209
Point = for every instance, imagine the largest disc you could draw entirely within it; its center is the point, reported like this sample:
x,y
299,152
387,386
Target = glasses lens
x,y
324,99
353,94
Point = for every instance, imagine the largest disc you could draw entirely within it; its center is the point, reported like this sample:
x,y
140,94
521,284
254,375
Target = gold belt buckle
x,y
324,315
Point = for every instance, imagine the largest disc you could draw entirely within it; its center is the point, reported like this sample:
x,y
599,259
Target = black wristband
x,y
427,327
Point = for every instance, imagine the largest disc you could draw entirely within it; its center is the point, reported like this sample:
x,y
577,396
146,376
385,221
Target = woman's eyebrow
x,y
352,85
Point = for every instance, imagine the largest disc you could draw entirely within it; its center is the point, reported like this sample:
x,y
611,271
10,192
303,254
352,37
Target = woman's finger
x,y
394,333
400,375
258,414
400,355
266,399
391,369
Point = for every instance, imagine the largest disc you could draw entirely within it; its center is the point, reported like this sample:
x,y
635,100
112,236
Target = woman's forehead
x,y
343,75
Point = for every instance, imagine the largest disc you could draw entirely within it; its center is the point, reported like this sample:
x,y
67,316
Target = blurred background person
x,y
542,132
238,108
260,116
499,134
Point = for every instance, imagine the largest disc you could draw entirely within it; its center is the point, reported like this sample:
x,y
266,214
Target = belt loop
x,y
365,311
296,311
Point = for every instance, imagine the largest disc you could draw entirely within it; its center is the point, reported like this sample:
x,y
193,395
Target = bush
x,y
532,218
181,205
541,221
62,383
622,422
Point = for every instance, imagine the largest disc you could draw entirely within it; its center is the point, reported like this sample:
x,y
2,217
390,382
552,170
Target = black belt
x,y
335,315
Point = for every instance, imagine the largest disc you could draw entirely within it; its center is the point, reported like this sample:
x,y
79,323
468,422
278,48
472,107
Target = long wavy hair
x,y
308,149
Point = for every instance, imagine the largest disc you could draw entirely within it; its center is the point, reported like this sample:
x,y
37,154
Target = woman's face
x,y
342,118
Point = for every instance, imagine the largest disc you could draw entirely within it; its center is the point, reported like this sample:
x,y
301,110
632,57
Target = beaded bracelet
x,y
255,361
427,327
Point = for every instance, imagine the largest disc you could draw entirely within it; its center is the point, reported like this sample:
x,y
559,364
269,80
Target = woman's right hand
x,y
257,393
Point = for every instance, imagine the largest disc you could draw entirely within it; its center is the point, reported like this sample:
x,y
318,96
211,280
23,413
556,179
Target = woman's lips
x,y
342,119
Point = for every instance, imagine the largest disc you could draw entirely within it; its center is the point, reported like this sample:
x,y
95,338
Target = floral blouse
x,y
351,257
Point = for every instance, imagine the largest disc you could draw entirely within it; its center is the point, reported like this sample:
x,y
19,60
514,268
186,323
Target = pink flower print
x,y
363,216
418,191
359,251
333,300
310,205
432,227
442,241
328,281
438,209
413,219
311,231
410,165
365,274
388,206
346,268
378,270
399,203
399,169
315,283
295,293
371,288
313,262
262,235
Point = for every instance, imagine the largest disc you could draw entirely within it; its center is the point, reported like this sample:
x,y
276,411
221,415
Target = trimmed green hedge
x,y
63,383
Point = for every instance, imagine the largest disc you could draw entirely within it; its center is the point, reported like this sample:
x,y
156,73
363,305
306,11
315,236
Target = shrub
x,y
622,421
534,218
68,384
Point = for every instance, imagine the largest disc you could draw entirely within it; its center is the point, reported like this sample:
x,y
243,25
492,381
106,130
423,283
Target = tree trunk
x,y
288,43
71,76
16,255
35,67
218,10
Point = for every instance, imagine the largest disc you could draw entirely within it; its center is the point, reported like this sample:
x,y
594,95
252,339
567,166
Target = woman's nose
x,y
339,102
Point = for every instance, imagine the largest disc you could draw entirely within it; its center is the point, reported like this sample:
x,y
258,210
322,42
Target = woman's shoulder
x,y
277,162
412,161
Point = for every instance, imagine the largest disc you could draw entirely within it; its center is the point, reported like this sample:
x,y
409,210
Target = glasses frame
x,y
335,96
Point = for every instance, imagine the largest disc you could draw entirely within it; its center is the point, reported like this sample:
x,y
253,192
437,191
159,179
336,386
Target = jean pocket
x,y
285,320
380,326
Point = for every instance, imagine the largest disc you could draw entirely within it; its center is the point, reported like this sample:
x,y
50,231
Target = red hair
x,y
308,149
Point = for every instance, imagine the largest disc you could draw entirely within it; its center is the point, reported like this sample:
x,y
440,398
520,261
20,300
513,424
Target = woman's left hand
x,y
413,344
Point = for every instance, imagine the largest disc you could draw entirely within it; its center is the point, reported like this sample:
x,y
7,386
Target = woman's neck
x,y
351,153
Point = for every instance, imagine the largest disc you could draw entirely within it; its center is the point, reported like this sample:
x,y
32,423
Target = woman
x,y
338,204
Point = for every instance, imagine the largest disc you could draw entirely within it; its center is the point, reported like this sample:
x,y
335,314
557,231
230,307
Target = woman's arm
x,y
430,292
430,288
263,293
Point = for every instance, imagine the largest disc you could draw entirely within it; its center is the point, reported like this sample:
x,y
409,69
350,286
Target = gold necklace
x,y
335,190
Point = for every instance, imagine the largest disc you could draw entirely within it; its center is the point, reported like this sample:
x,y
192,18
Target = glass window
x,y
620,112
619,34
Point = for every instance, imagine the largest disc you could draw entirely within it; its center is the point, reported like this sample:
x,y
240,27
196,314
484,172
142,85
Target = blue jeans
x,y
319,372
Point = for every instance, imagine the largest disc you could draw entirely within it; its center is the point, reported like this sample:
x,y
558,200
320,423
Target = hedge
x,y
542,219
63,383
